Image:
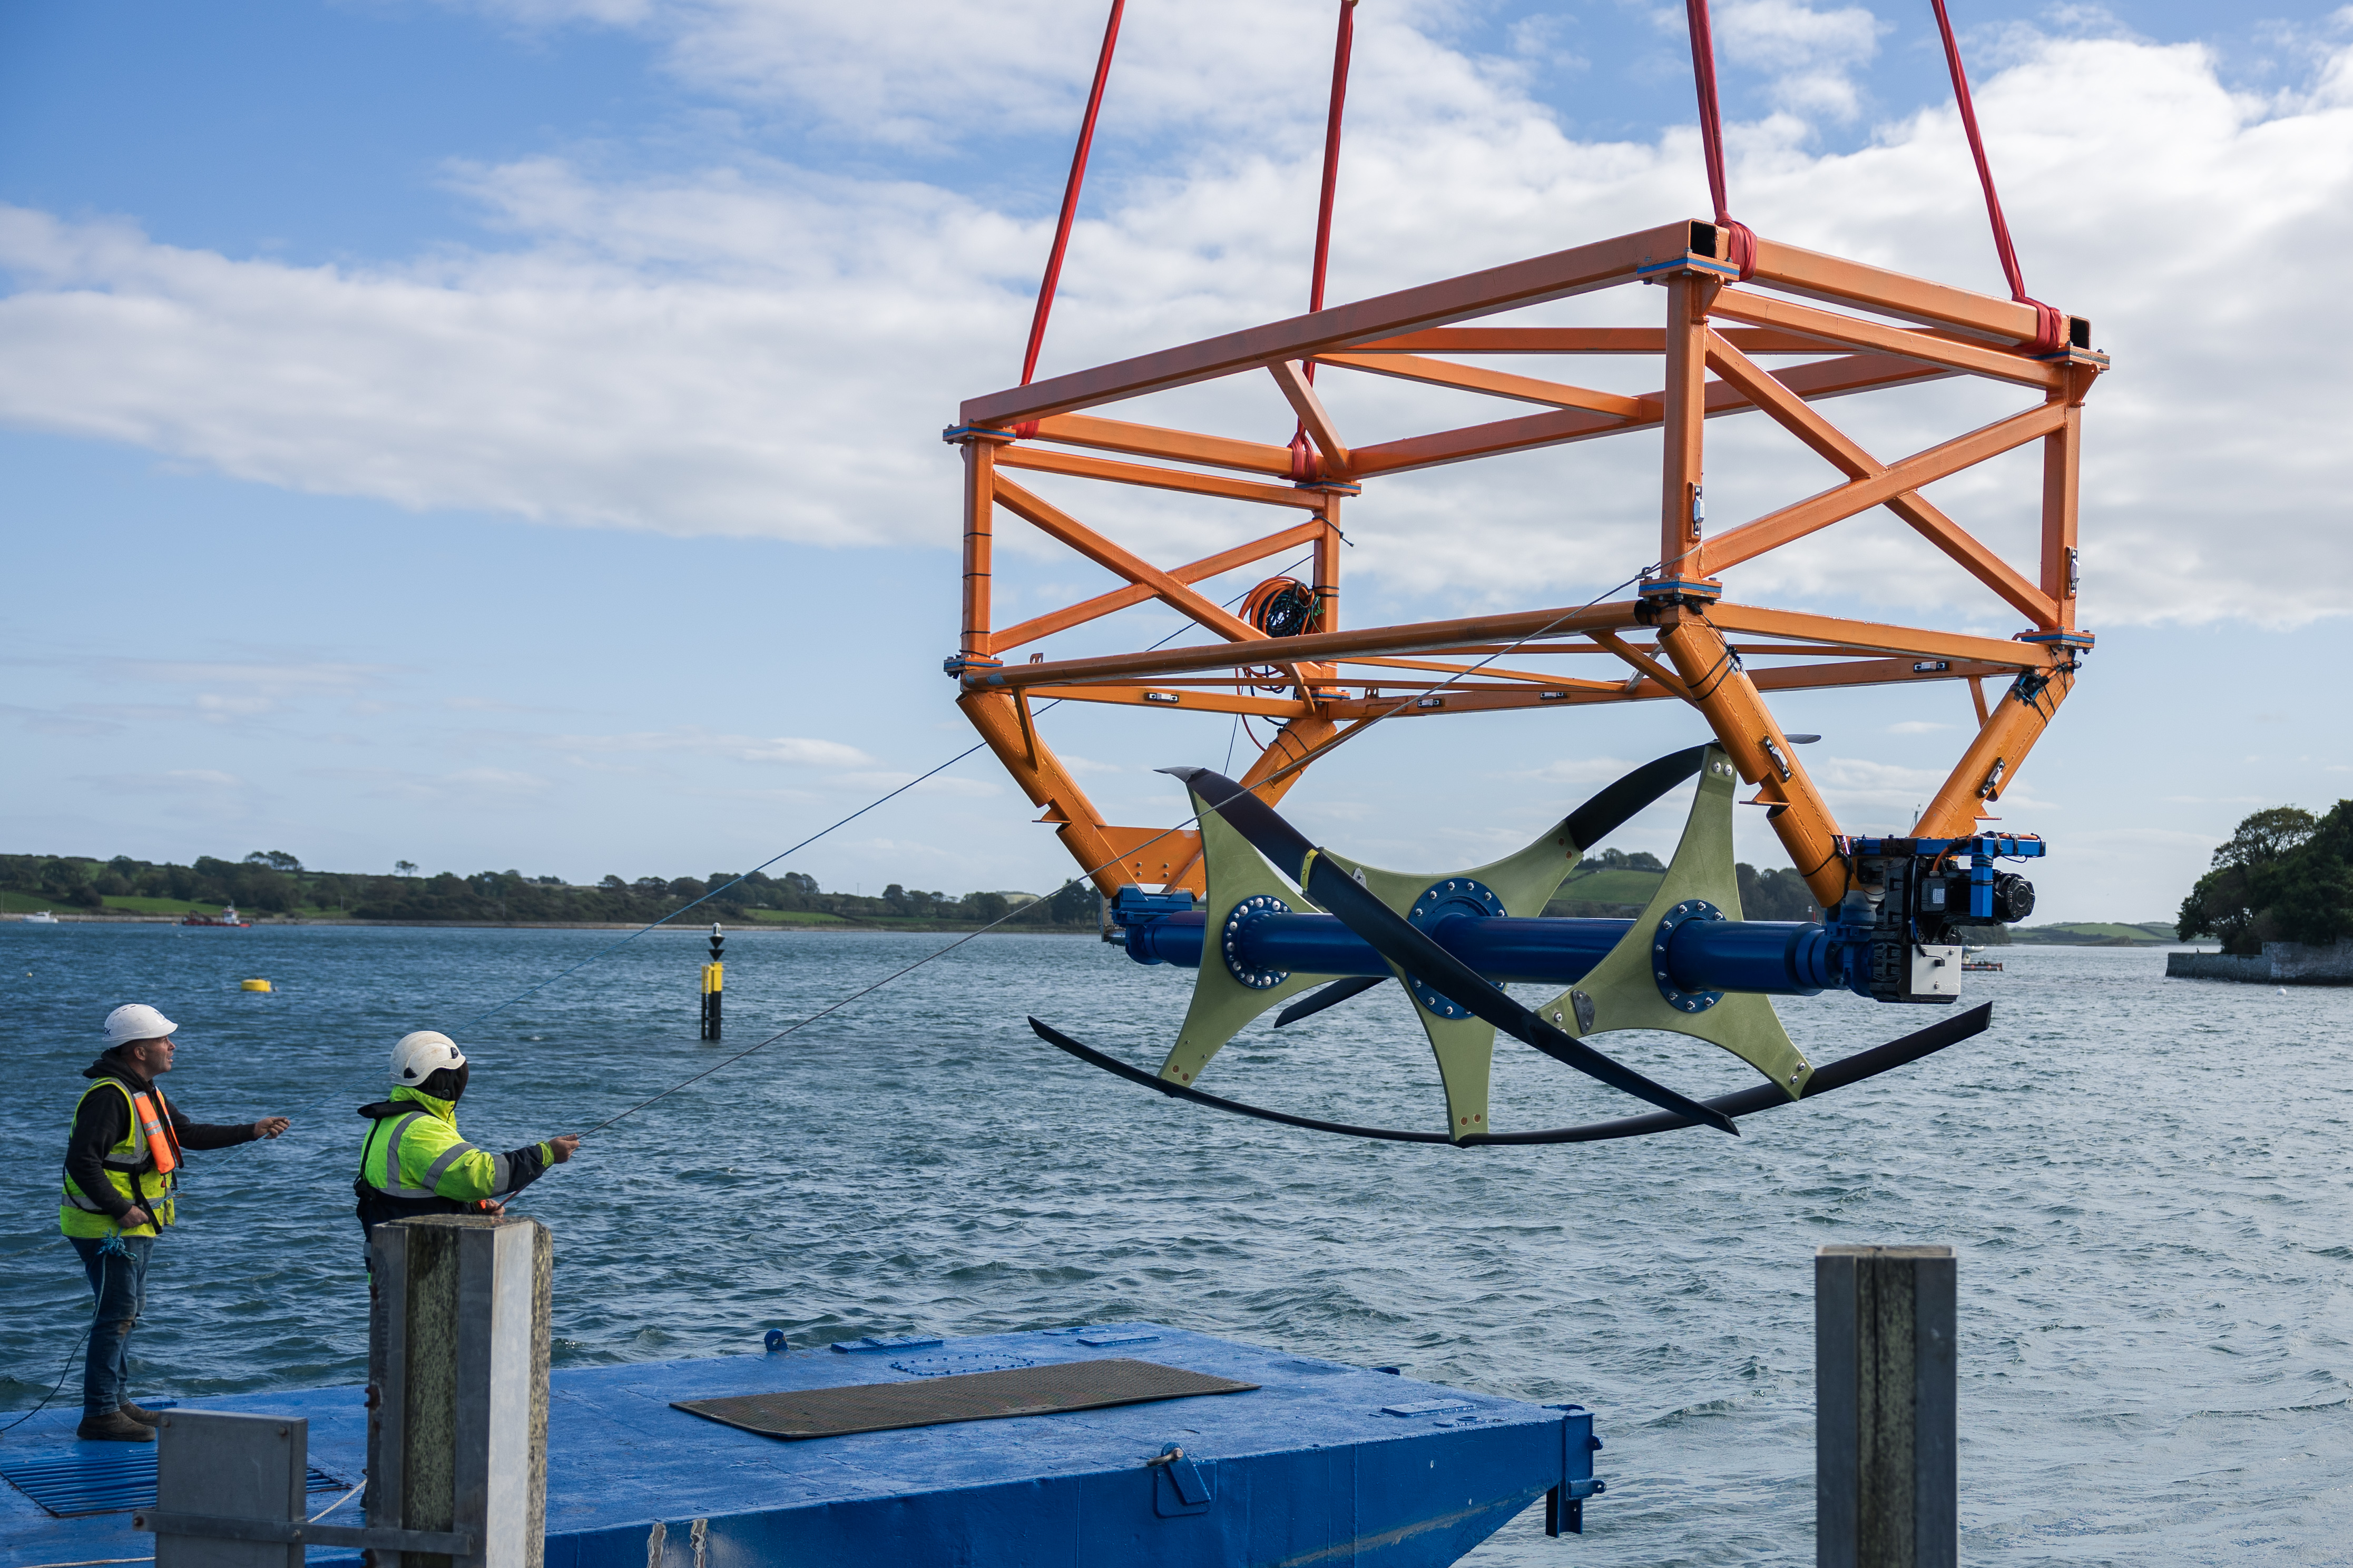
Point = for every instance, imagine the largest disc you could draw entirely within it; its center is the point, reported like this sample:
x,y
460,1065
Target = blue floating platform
x,y
1323,1462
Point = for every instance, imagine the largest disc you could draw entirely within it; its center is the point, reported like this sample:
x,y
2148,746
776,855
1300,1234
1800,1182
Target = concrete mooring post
x,y
1885,1425
457,1352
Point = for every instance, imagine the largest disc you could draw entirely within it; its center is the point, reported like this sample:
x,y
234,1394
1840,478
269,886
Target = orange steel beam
x,y
1990,764
1776,529
1823,378
1642,689
1052,521
1870,636
1684,422
1419,637
1834,331
1836,447
1300,393
1152,441
1103,604
1754,740
1816,276
1559,276
2062,451
1327,570
1494,383
1046,461
1569,340
1047,783
1643,662
1175,694
1151,855
979,521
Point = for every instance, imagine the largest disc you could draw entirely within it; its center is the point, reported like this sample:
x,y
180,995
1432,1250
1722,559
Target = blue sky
x,y
502,435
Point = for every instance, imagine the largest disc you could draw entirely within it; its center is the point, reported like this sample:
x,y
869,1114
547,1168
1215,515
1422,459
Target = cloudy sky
x,y
504,433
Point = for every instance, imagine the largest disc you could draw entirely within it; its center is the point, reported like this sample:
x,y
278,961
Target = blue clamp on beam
x,y
1330,487
2082,640
958,435
1705,588
957,663
1179,1487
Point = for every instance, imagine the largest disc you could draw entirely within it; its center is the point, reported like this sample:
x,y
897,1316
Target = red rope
x,y
1331,155
1302,461
1710,136
2052,334
1071,197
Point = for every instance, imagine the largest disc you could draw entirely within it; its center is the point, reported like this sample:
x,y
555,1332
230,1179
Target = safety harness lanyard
x,y
2051,335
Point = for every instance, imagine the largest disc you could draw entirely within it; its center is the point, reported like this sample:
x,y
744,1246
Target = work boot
x,y
144,1417
114,1427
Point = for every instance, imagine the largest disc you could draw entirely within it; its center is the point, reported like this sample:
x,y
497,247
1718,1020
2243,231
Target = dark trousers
x,y
117,1266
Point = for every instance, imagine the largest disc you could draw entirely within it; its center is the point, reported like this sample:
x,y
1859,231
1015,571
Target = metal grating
x,y
972,1396
112,1481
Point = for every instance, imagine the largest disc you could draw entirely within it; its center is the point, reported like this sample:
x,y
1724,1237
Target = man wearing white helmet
x,y
122,1162
413,1160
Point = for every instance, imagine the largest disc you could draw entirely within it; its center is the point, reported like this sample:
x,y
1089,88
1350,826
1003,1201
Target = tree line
x,y
274,882
2284,874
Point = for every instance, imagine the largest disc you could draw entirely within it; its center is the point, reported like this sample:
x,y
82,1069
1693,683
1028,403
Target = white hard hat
x,y
421,1055
137,1021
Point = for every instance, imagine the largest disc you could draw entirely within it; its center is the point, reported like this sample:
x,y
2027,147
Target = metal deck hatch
x,y
68,1485
971,1396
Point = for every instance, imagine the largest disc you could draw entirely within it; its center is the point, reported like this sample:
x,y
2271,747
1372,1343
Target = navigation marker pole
x,y
715,979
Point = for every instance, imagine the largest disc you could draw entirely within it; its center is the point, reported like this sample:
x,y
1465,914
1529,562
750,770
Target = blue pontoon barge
x,y
1318,1463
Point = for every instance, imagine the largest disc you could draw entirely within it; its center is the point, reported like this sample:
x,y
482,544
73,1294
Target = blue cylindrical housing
x,y
1773,957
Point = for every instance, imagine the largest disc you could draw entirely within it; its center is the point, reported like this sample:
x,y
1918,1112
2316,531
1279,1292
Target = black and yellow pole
x,y
714,981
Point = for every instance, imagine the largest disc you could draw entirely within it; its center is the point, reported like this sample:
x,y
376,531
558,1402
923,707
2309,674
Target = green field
x,y
1619,887
2104,933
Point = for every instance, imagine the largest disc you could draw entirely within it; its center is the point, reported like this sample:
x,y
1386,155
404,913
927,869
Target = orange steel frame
x,y
1678,639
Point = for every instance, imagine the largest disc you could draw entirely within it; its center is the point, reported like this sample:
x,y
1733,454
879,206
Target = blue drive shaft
x,y
1778,958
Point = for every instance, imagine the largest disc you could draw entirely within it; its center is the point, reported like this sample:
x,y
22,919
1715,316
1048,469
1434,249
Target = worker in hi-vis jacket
x,y
122,1164
412,1160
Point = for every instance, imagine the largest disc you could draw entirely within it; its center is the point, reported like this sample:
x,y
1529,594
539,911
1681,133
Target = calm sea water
x,y
2146,1182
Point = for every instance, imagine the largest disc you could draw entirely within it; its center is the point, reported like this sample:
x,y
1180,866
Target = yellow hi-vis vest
x,y
419,1154
143,1167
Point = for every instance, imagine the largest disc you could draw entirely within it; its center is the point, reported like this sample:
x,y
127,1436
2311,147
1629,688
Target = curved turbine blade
x,y
1606,812
1398,940
1332,995
1746,1103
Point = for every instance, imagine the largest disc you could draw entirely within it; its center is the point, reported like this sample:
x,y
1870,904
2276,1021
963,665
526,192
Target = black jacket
x,y
104,1120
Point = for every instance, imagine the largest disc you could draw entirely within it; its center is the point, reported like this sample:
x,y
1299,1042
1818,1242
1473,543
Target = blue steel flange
x,y
1256,907
1454,896
1680,1000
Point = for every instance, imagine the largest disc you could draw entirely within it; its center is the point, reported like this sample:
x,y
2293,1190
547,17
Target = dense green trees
x,y
2283,876
274,882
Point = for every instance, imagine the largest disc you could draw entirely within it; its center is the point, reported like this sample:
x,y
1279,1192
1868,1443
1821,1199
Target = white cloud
x,y
1810,55
794,751
762,351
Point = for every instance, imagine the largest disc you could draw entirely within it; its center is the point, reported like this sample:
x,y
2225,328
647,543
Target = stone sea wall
x,y
2281,964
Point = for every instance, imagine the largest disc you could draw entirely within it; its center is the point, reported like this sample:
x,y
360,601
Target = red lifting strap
x,y
1302,462
1711,137
2052,337
1053,277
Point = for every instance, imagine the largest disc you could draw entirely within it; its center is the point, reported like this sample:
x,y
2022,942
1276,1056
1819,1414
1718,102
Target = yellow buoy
x,y
253,986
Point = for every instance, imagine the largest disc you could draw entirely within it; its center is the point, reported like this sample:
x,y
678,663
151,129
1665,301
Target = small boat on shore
x,y
43,919
227,917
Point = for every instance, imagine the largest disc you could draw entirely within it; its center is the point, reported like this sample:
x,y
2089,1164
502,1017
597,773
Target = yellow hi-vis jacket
x,y
419,1154
142,1167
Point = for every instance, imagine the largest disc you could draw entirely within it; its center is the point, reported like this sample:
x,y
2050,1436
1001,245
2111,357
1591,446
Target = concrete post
x,y
1885,1482
457,1349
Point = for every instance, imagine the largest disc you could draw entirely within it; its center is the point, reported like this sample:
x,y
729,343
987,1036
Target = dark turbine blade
x,y
1331,996
1606,812
1398,940
1746,1103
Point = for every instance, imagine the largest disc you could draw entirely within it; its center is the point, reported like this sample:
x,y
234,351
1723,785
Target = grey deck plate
x,y
970,1396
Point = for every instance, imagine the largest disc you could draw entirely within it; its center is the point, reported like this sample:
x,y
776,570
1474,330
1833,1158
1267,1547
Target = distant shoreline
x,y
691,927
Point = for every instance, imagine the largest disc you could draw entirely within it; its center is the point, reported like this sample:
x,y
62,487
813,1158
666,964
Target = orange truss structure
x,y
1678,638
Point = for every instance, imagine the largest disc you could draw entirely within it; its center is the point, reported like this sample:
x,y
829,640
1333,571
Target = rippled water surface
x,y
2146,1182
